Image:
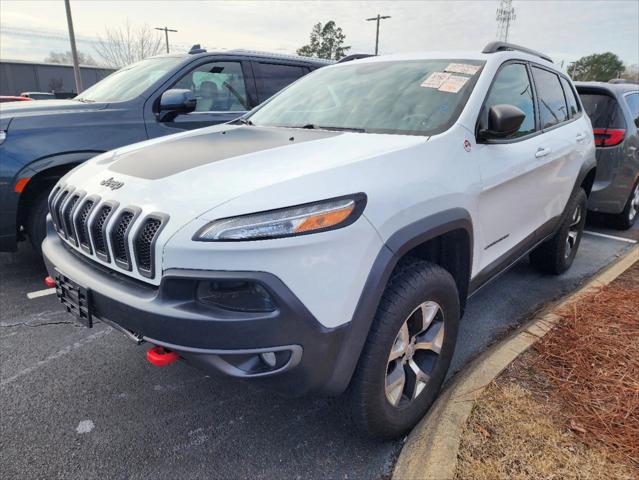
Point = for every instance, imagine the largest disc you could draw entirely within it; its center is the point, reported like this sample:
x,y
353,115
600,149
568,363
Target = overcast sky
x,y
566,30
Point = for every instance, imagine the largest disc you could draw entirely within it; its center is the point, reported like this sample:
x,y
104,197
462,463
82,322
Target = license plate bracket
x,y
76,299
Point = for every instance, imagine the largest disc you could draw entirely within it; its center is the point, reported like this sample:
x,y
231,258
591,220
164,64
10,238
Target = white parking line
x,y
40,293
612,237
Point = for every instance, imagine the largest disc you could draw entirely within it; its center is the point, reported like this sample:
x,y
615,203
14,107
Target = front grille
x,y
102,229
144,245
98,228
67,217
119,239
81,226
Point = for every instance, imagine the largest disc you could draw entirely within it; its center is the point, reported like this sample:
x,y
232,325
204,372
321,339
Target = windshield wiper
x,y
312,126
84,100
244,121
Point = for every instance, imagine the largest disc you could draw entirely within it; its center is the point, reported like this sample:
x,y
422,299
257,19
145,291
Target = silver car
x,y
613,109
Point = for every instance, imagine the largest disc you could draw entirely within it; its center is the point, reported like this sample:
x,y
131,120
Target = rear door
x,y
271,76
222,90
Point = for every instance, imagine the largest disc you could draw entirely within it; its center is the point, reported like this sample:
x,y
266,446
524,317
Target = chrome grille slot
x,y
52,196
120,238
67,217
98,231
81,224
57,204
145,242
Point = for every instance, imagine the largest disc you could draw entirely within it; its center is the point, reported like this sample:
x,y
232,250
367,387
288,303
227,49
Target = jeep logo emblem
x,y
111,183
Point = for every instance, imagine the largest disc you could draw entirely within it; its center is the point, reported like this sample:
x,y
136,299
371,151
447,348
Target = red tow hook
x,y
160,356
49,282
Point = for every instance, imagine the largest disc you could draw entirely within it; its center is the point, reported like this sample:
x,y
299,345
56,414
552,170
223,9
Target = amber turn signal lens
x,y
325,220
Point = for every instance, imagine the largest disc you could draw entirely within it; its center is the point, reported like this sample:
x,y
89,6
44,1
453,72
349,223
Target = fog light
x,y
241,296
269,359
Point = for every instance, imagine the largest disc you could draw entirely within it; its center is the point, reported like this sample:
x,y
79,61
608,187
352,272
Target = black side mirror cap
x,y
176,101
503,121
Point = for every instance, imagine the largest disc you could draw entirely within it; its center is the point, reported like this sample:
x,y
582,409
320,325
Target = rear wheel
x,y
626,219
37,221
556,255
408,350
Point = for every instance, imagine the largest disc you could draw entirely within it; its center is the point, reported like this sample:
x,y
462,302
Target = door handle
x,y
542,152
581,137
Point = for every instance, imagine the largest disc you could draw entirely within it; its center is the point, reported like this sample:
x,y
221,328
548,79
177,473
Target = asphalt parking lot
x,y
79,403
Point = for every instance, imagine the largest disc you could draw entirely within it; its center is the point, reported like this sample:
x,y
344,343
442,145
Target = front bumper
x,y
210,337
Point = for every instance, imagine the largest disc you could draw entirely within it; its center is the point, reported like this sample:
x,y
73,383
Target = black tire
x,y
556,255
626,219
412,284
37,222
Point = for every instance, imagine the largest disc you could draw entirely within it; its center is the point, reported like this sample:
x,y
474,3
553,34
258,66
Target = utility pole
x,y
166,31
505,14
74,51
377,19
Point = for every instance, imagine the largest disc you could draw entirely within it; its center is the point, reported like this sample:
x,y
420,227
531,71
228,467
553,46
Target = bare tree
x,y
66,59
128,44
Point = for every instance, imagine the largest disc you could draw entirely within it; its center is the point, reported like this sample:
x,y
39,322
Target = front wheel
x,y
37,222
556,255
408,351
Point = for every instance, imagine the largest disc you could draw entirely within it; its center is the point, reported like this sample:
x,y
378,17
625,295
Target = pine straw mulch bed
x,y
568,408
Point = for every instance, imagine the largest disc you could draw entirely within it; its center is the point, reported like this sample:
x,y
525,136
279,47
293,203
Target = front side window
x,y
552,103
512,87
217,86
573,107
273,77
130,81
417,97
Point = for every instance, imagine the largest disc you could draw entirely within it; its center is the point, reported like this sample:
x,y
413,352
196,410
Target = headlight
x,y
286,222
3,136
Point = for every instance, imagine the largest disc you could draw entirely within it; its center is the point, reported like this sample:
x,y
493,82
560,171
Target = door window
x,y
512,87
552,103
273,77
217,86
633,104
573,106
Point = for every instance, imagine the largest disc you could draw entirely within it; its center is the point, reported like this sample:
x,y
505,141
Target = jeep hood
x,y
189,174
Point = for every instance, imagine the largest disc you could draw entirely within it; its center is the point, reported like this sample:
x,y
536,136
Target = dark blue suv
x,y
40,141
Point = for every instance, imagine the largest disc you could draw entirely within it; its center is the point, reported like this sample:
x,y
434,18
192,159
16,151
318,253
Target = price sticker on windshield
x,y
463,68
454,84
435,80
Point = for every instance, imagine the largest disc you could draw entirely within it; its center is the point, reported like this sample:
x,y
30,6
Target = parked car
x,y
330,238
38,95
613,108
12,98
158,96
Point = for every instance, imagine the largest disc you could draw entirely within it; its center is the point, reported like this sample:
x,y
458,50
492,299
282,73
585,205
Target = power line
x,y
166,34
505,14
377,19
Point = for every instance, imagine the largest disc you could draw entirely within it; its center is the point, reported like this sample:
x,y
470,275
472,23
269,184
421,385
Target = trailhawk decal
x,y
171,157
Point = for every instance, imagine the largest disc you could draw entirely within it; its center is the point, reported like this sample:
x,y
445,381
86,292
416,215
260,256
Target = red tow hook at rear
x,y
160,356
49,282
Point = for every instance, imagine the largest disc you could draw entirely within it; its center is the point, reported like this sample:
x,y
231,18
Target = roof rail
x,y
355,56
493,47
196,49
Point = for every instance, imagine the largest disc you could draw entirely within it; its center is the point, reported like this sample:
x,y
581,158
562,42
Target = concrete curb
x,y
430,452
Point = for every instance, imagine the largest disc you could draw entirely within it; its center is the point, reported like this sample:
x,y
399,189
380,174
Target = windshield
x,y
422,97
130,81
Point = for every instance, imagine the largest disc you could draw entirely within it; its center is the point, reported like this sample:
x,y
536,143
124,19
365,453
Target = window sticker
x,y
454,84
462,68
435,80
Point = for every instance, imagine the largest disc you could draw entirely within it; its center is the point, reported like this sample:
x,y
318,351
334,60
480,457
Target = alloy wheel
x,y
414,354
574,230
634,204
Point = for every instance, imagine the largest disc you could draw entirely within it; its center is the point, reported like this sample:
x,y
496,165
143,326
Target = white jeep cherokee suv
x,y
327,242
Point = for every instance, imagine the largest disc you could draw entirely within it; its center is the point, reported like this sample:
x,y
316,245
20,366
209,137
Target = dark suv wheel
x,y
408,350
626,219
37,221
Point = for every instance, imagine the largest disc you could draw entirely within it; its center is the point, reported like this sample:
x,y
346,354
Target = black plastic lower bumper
x,y
210,337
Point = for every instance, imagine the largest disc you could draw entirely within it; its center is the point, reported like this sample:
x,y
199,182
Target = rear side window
x,y
571,100
633,104
602,110
512,87
552,104
273,77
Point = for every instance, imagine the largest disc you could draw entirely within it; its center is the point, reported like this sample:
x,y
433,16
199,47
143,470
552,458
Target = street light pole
x,y
166,31
377,19
74,51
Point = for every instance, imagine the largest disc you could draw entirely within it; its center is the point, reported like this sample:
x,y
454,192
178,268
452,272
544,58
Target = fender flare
x,y
58,160
400,243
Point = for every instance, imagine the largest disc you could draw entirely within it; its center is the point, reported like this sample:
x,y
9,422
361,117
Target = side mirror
x,y
176,101
503,121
